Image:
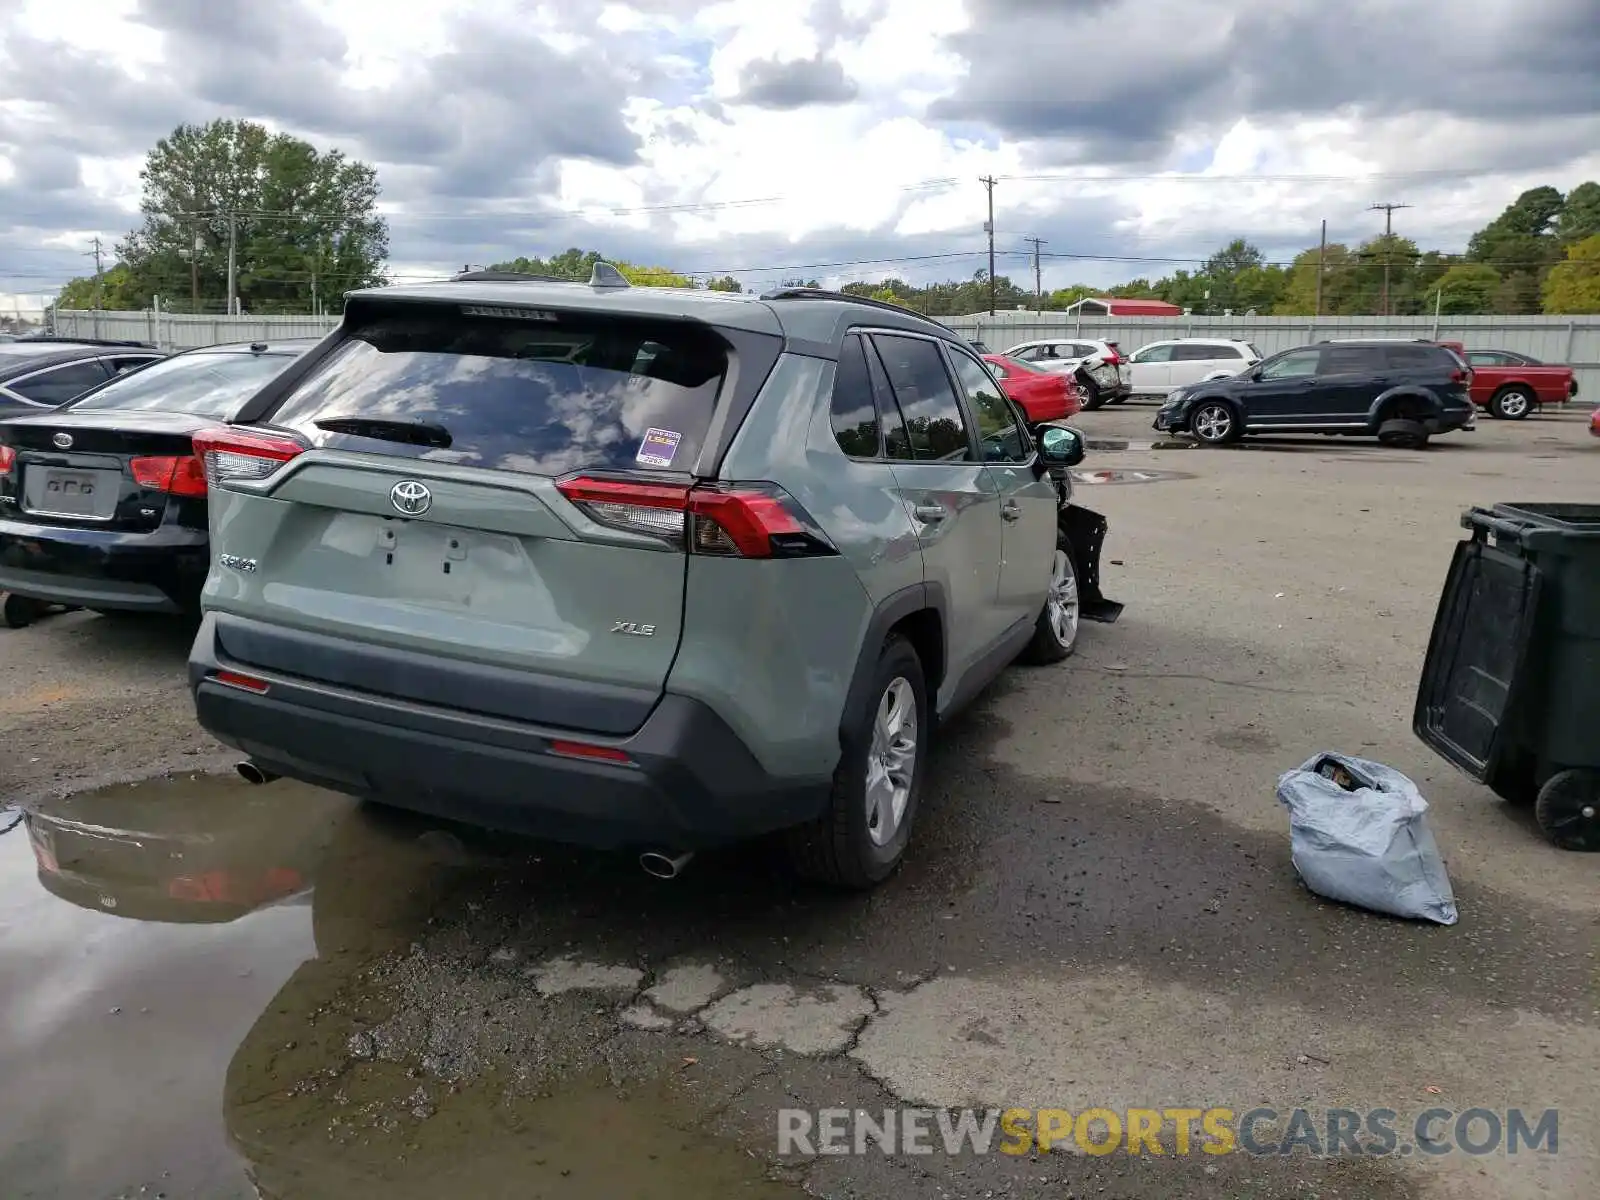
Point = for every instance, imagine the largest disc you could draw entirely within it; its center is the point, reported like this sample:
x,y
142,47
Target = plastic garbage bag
x,y
1358,832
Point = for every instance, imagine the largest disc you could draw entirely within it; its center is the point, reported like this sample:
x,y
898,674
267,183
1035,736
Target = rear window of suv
x,y
547,396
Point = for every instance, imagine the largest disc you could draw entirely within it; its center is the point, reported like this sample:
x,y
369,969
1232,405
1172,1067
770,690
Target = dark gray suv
x,y
623,566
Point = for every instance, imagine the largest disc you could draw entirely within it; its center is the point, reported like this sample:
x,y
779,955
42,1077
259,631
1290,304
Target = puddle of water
x,y
142,929
387,1135
182,964
1126,475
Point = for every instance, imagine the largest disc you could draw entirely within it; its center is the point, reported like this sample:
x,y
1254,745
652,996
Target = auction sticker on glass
x,y
659,447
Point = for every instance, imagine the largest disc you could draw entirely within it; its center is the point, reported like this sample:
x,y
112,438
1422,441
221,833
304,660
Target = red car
x,y
1511,385
1042,395
1594,423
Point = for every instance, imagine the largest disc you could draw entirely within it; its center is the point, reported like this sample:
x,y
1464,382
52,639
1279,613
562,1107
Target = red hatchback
x,y
1042,395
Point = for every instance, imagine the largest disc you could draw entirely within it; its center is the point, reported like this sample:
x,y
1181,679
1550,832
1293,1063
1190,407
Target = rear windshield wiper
x,y
413,433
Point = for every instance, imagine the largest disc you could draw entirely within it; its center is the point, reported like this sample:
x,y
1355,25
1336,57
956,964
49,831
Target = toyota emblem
x,y
411,497
62,441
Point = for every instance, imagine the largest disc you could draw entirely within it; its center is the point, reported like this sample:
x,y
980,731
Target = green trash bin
x,y
1510,689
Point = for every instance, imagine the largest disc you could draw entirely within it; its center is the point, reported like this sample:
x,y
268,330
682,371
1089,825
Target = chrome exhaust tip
x,y
251,773
661,865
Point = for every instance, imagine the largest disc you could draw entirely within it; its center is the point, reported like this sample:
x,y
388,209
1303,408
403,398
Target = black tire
x,y
19,611
838,849
1047,646
1093,397
1512,403
1568,810
1403,433
1215,423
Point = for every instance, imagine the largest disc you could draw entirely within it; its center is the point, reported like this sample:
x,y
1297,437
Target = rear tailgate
x,y
102,470
472,511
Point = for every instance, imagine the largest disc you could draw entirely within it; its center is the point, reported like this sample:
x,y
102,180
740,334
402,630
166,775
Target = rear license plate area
x,y
64,492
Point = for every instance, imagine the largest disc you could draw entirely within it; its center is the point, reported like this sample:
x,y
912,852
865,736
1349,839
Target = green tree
x,y
1466,288
1519,242
304,223
117,291
1573,286
1580,214
726,283
578,265
1299,295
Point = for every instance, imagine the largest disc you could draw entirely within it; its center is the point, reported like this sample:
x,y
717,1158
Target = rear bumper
x,y
159,571
689,781
1450,420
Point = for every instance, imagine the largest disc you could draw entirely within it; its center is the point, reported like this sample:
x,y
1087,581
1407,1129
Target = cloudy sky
x,y
775,137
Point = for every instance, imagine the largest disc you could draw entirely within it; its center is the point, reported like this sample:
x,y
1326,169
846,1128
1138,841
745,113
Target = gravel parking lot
x,y
207,984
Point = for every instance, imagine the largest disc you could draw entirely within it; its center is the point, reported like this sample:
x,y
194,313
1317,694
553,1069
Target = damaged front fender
x,y
1086,531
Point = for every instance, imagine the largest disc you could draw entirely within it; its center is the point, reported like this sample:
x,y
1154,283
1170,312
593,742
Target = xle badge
x,y
633,629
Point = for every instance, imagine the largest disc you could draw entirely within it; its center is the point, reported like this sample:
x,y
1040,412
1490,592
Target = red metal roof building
x,y
1111,306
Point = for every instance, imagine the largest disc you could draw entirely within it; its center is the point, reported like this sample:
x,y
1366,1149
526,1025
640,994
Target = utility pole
x,y
1038,285
1322,255
1388,232
988,227
99,280
233,230
194,268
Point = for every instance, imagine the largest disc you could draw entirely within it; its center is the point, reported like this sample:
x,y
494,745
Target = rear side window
x,y
60,384
212,384
543,397
854,415
1224,351
1190,352
1416,358
1351,360
927,400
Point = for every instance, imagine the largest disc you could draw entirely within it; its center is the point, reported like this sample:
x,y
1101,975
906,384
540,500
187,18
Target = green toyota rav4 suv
x,y
628,567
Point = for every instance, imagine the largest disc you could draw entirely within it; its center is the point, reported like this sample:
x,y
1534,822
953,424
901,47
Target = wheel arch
x,y
919,614
1405,403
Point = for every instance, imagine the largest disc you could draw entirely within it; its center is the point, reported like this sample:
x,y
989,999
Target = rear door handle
x,y
1011,510
928,513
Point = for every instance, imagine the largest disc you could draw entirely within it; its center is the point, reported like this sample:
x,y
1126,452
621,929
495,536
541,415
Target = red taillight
x,y
1113,355
242,455
1461,376
585,750
248,683
8,459
183,475
743,520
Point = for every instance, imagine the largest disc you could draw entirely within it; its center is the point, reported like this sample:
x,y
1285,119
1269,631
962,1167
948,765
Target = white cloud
x,y
916,100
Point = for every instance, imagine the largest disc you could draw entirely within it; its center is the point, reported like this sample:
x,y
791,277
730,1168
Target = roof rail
x,y
493,276
605,275
84,341
811,293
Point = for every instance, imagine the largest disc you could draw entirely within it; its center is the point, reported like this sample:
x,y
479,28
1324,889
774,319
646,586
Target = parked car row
x,y
1507,385
650,569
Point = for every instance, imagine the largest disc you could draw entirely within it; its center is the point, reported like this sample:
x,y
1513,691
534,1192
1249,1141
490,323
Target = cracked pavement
x,y
1099,911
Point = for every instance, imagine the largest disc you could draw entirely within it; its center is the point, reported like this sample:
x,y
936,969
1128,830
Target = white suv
x,y
1106,363
1161,366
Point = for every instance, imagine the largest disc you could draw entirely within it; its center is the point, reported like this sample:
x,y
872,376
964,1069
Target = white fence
x,y
1571,340
1574,341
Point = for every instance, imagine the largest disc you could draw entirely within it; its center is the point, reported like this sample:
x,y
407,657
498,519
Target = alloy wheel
x,y
891,761
1062,600
1213,423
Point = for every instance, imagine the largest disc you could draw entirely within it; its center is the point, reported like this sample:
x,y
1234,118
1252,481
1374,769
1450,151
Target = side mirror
x,y
1061,446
